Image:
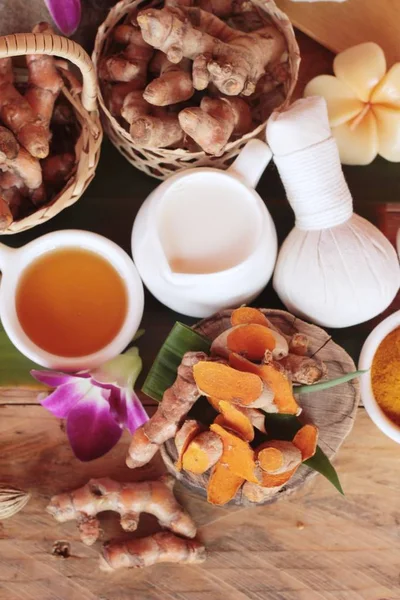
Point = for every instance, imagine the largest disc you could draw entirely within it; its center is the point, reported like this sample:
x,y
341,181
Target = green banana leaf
x,y
15,367
162,374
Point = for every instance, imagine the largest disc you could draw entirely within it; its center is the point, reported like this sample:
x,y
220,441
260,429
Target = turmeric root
x,y
245,315
134,106
257,493
189,430
26,167
145,552
44,82
237,454
234,66
220,8
223,484
303,369
306,440
298,344
132,63
128,499
163,425
278,456
173,85
283,399
220,381
57,169
17,114
212,124
236,419
156,132
115,95
202,453
251,341
8,144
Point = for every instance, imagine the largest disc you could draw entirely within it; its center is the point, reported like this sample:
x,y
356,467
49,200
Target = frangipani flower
x,y
66,14
97,404
363,104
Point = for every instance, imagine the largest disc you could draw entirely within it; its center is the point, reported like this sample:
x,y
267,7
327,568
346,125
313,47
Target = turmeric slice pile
x,y
251,341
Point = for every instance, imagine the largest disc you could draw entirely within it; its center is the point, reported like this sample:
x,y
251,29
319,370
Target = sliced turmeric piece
x,y
203,452
246,315
216,380
284,401
214,402
278,456
271,481
251,341
306,440
189,430
237,454
223,484
232,417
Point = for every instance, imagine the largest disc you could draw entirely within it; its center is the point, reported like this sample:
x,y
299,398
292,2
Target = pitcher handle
x,y
251,162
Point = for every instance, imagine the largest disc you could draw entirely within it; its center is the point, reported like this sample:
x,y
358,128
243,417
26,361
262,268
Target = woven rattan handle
x,y
20,44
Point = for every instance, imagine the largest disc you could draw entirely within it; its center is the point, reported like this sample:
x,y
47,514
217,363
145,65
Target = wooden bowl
x,y
332,411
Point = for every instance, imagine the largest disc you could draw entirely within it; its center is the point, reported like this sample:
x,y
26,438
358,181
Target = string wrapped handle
x,y
20,44
308,162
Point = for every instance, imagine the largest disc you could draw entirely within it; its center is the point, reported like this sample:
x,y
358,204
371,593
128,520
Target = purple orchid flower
x,y
66,14
97,404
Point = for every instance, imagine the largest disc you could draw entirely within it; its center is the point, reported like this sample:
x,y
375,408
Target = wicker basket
x,y
84,104
161,163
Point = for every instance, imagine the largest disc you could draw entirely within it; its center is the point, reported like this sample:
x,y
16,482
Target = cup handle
x,y
251,162
6,256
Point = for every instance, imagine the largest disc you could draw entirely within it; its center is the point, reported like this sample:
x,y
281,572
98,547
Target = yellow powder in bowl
x,y
385,376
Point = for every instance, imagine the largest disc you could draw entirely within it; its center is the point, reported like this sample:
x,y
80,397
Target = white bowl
x,y
366,357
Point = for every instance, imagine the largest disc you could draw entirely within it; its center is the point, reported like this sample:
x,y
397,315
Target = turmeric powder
x,y
385,376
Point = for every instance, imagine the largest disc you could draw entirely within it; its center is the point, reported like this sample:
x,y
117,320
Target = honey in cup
x,y
71,302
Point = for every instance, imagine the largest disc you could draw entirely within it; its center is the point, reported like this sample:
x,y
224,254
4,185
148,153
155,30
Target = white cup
x,y
240,262
368,351
13,264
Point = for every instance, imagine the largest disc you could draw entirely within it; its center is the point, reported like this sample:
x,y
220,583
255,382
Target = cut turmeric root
x,y
189,430
233,418
284,400
223,484
278,456
237,454
306,440
245,315
251,341
202,453
220,381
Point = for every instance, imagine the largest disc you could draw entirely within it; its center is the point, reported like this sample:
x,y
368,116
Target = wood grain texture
x,y
339,26
316,545
332,410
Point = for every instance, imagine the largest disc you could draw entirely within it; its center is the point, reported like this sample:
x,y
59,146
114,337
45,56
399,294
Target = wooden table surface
x,y
316,545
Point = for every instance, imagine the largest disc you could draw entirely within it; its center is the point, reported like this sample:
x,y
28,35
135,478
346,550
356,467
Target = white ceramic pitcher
x,y
204,240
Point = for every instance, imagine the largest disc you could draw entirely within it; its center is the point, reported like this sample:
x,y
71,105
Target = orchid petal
x,y
388,120
64,398
126,408
66,14
52,378
358,145
361,67
91,428
387,91
123,370
341,101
